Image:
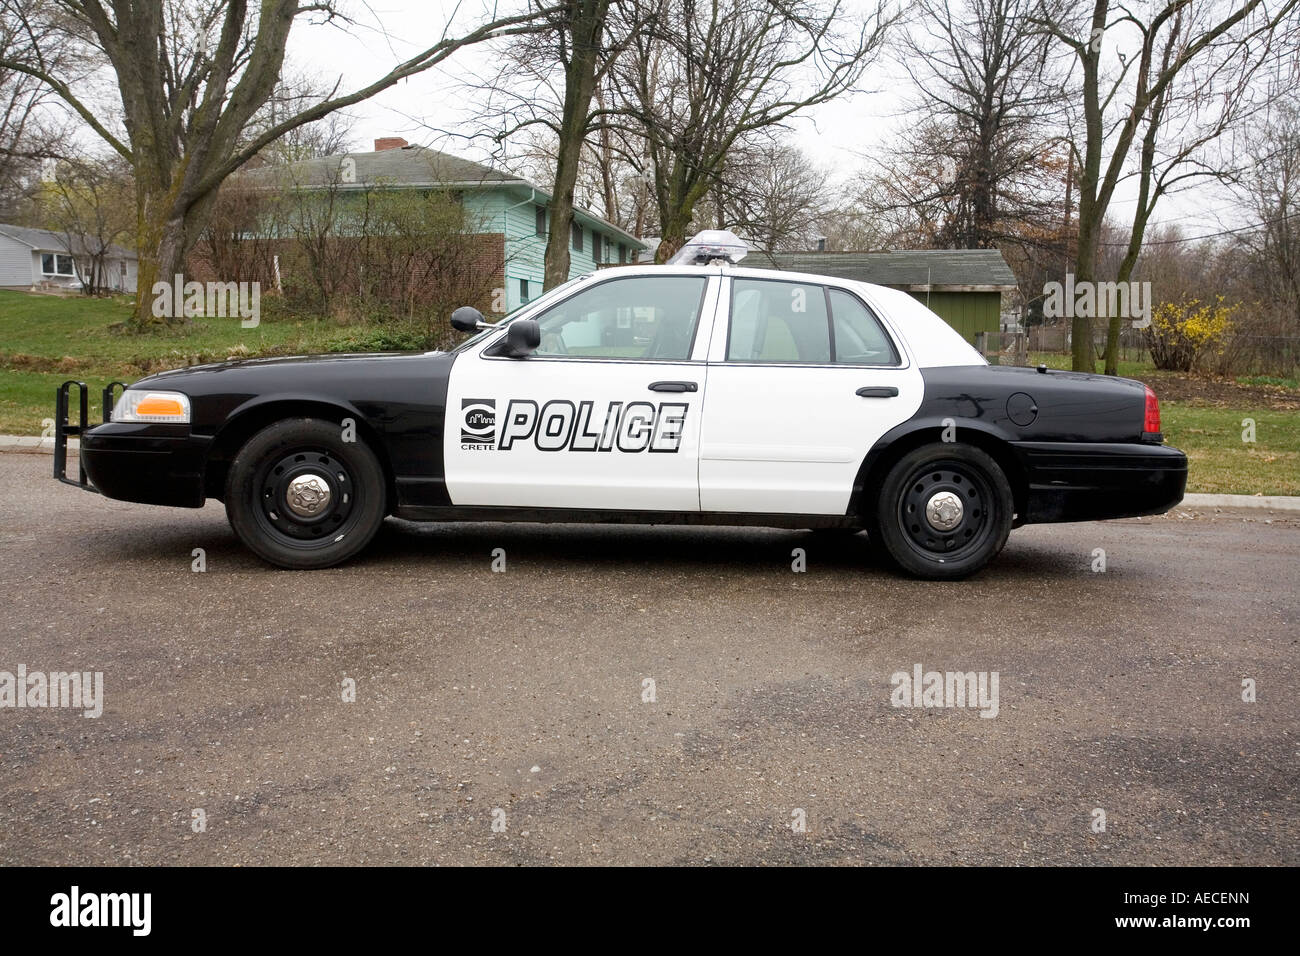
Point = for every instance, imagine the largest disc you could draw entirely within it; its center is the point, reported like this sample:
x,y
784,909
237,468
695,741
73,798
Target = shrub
x,y
1182,334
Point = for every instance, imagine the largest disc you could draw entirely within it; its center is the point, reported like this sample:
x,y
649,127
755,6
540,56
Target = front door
x,y
605,415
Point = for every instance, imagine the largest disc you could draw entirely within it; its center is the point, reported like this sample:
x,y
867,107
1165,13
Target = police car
x,y
696,392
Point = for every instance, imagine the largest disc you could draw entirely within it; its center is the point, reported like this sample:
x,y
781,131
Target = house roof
x,y
46,240
403,166
411,167
915,270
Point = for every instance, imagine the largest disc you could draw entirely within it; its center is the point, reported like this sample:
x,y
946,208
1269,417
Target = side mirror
x,y
467,319
523,336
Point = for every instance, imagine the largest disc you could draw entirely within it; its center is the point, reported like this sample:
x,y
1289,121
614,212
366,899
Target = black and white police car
x,y
695,392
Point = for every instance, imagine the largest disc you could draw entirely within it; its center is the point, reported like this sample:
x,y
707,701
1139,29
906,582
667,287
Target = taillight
x,y
1151,422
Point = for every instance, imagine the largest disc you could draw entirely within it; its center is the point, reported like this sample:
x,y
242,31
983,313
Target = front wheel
x,y
944,511
300,497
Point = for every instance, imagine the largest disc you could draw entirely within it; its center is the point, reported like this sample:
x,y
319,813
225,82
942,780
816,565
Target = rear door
x,y
803,379
605,415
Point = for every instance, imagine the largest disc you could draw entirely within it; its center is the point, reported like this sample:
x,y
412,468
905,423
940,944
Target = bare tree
x,y
988,105
191,75
328,136
775,196
702,77
91,202
1115,107
1270,189
1215,94
553,85
32,128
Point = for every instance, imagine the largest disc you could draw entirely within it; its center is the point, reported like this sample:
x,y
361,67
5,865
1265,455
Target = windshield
x,y
527,307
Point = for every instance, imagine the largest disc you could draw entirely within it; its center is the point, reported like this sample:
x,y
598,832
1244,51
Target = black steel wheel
x,y
301,497
944,511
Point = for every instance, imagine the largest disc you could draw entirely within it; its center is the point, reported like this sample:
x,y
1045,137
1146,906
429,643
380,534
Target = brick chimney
x,y
389,142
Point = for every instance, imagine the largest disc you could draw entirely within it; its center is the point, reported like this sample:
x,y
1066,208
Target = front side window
x,y
773,321
649,318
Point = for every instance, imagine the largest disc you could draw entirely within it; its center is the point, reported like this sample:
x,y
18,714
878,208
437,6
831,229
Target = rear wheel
x,y
944,511
300,497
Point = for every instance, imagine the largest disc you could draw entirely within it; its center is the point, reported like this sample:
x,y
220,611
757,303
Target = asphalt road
x,y
522,691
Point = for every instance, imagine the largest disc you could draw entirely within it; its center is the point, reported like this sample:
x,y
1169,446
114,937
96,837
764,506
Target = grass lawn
x,y
1221,463
45,340
53,327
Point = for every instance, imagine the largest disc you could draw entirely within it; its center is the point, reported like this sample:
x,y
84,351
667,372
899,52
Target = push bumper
x,y
150,464
1086,482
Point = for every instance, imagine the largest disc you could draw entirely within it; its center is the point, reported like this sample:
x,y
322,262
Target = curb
x,y
34,445
1263,502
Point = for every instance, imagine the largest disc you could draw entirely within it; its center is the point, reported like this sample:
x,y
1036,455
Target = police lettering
x,y
562,425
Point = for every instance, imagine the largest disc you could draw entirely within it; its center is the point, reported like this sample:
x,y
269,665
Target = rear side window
x,y
859,337
775,321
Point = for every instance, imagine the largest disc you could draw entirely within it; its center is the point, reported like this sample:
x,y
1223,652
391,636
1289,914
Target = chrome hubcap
x,y
943,511
307,495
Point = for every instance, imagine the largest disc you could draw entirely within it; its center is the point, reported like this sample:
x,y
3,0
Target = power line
x,y
1209,235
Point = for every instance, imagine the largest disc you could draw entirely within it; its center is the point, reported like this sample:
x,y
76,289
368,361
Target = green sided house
x,y
507,212
964,287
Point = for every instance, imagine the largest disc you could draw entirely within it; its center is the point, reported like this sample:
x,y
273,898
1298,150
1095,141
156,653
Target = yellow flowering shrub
x,y
1182,334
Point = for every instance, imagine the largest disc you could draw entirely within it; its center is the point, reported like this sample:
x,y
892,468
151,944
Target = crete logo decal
x,y
479,428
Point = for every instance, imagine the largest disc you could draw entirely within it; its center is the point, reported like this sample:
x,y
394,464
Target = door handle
x,y
674,387
878,391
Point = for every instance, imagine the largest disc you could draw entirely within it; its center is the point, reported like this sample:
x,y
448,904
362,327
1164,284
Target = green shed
x,y
964,287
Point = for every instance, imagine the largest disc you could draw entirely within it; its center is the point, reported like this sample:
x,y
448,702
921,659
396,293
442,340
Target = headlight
x,y
138,405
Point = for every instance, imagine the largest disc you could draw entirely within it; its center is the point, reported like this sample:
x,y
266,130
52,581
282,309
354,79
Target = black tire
x,y
967,487
262,481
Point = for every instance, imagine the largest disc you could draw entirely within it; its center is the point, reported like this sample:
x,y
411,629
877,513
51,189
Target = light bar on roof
x,y
710,246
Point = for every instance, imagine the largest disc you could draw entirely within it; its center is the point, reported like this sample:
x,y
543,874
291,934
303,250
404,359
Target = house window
x,y
523,291
53,264
597,240
541,220
622,254
576,233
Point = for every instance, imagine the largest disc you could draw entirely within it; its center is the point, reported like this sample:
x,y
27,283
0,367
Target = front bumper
x,y
148,463
1070,481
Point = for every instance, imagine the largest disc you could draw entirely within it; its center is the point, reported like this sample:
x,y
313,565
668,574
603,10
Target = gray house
x,y
41,259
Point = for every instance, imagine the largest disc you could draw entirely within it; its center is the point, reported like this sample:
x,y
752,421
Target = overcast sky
x,y
835,135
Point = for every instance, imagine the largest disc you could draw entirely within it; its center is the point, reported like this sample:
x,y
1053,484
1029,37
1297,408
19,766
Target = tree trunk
x,y
1085,267
162,252
587,26
557,239
1116,324
672,238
